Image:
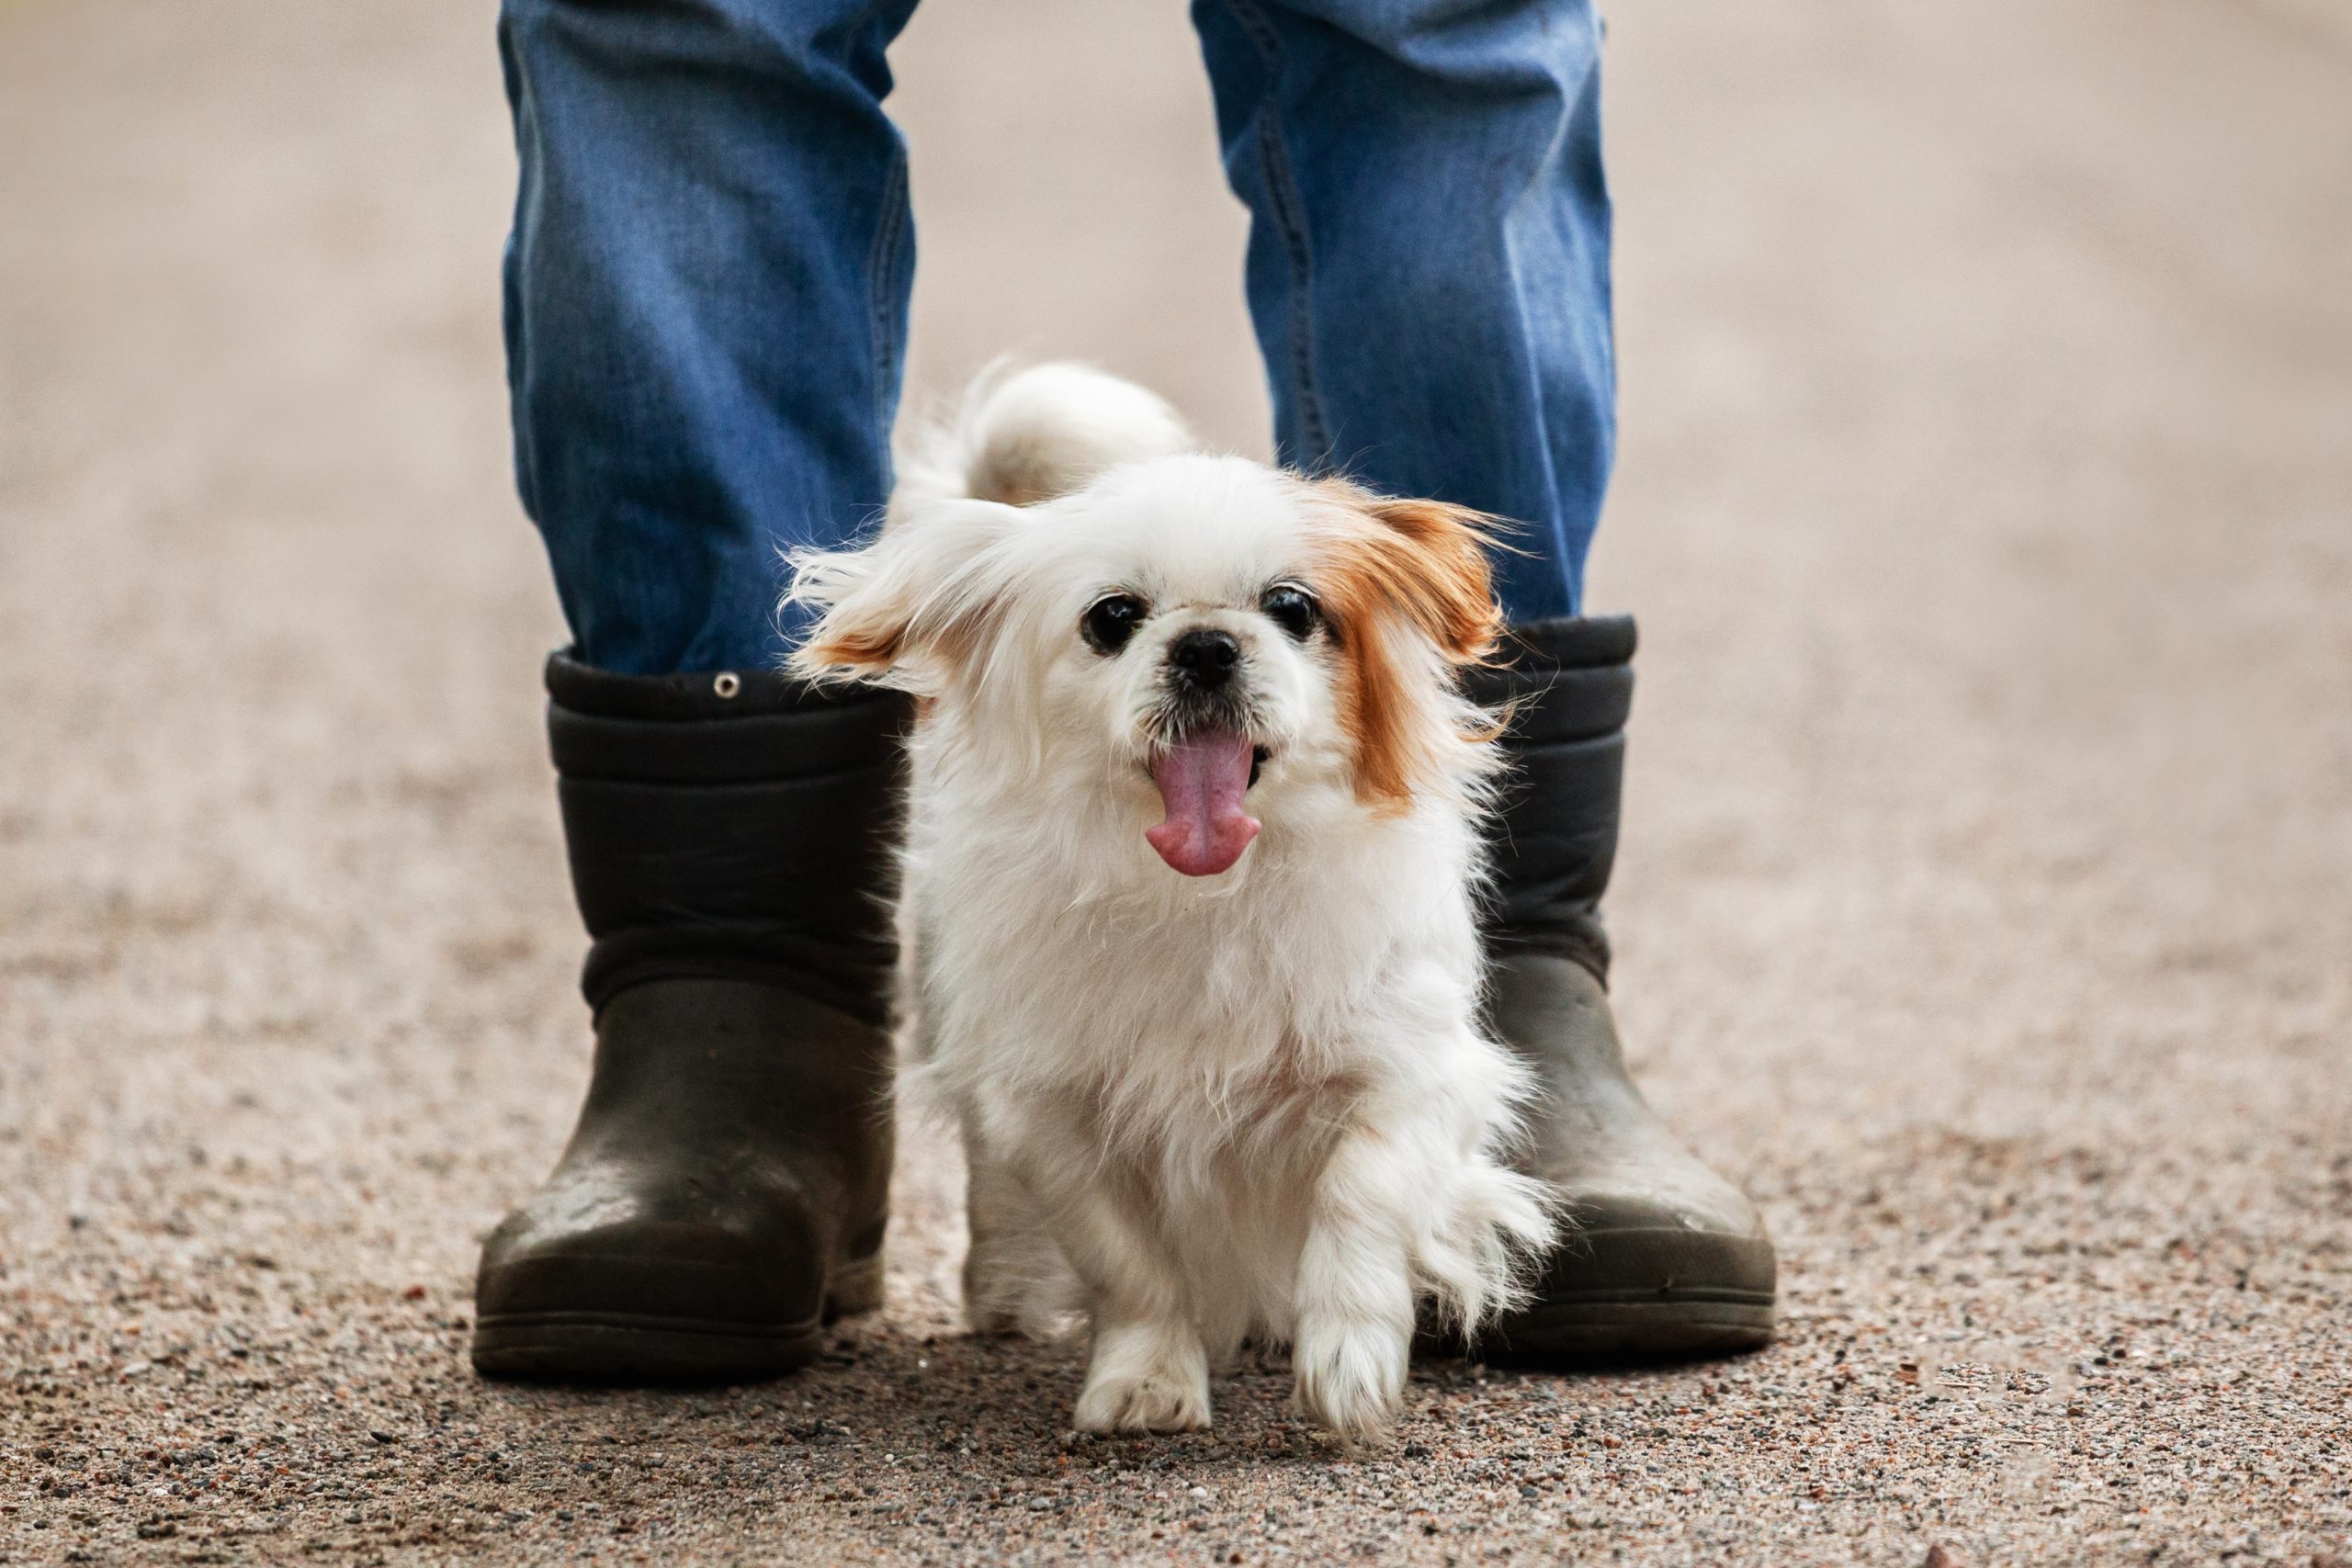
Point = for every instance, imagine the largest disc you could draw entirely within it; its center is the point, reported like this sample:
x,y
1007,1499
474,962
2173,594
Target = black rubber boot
x,y
731,838
1665,1257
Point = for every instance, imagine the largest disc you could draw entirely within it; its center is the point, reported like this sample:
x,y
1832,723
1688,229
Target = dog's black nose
x,y
1204,659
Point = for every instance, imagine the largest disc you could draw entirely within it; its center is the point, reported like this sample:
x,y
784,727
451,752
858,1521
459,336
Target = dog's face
x,y
1204,626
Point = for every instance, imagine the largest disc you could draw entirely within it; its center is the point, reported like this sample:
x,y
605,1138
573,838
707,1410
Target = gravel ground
x,y
1987,496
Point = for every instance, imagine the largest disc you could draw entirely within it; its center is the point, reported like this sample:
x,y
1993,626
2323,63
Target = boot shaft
x,y
733,826
1566,687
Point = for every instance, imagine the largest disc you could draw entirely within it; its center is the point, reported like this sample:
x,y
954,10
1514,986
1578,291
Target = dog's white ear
x,y
920,593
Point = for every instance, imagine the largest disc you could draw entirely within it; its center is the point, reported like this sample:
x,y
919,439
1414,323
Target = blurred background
x,y
1986,901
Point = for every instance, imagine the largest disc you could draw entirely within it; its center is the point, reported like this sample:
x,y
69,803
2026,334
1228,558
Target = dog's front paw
x,y
1145,1378
1350,1376
1148,1403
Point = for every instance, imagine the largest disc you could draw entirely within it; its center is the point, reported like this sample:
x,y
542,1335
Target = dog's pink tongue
x,y
1202,779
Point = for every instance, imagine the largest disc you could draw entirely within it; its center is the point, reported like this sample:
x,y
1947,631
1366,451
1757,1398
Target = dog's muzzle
x,y
1204,761
1202,682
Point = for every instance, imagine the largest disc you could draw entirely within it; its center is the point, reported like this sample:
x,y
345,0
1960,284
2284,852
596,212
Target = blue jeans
x,y
705,290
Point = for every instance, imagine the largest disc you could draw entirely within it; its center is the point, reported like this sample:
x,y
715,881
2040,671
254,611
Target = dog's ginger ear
x,y
1397,573
1433,568
1420,562
920,592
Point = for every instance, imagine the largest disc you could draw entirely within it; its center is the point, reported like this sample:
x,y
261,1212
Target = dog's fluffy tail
x,y
1025,436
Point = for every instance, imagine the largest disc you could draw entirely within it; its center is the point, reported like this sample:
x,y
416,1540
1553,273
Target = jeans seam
x,y
882,268
1287,212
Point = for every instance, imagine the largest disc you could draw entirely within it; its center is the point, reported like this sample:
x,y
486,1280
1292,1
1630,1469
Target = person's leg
x,y
706,297
1429,254
1428,276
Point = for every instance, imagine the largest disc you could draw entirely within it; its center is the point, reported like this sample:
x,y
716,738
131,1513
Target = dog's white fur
x,y
1257,1104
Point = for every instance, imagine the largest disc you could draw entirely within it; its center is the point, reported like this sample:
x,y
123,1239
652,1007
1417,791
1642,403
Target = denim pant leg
x,y
1429,253
706,299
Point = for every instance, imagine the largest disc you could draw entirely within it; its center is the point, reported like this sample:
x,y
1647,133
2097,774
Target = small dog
x,y
1190,880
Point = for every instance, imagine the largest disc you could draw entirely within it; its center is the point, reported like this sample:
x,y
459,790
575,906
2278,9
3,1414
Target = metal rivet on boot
x,y
727,682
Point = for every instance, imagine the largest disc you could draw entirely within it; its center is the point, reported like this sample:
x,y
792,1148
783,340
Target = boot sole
x,y
1617,1329
613,1349
618,1350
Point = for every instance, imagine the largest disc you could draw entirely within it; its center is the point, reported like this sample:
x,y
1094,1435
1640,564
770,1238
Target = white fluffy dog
x,y
1192,861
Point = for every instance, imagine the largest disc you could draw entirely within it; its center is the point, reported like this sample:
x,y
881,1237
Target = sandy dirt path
x,y
1985,902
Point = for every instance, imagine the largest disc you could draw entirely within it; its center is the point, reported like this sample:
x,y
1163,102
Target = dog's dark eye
x,y
1293,609
1109,624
